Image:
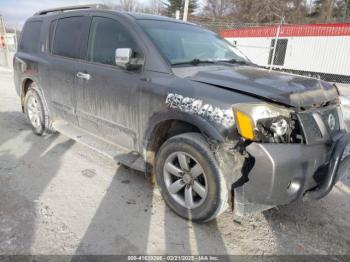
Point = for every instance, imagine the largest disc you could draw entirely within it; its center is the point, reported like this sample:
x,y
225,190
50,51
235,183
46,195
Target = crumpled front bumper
x,y
282,173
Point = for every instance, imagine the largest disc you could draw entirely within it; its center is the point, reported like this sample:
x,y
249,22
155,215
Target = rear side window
x,y
30,39
70,37
106,35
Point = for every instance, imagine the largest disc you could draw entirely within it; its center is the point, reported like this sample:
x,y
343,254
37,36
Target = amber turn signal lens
x,y
244,125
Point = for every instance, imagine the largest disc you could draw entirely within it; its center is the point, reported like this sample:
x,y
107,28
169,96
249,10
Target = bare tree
x,y
156,7
327,10
128,5
123,5
218,8
271,11
261,11
297,10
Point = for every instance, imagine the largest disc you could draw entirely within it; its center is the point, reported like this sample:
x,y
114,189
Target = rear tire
x,y
187,169
36,113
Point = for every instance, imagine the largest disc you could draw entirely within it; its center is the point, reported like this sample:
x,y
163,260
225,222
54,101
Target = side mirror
x,y
124,59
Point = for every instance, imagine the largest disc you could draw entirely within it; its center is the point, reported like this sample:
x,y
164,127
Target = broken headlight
x,y
264,122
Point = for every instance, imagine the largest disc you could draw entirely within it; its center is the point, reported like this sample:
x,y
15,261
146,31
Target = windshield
x,y
185,43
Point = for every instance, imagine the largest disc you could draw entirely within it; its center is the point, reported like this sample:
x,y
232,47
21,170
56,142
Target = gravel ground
x,y
59,197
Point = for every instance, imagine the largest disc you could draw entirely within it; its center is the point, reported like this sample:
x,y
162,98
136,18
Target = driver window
x,y
106,35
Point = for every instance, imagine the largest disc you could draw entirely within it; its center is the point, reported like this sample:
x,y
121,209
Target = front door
x,y
107,98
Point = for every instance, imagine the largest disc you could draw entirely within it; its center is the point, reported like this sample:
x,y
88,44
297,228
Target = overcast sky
x,y
16,12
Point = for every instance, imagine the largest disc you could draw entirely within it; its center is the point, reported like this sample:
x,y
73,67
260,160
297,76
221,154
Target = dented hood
x,y
292,90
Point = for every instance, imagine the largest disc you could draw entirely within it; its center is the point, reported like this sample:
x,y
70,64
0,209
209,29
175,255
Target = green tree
x,y
172,5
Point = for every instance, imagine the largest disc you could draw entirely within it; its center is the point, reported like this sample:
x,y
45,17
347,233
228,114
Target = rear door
x,y
107,101
67,45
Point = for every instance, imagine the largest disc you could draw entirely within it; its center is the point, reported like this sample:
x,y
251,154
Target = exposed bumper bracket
x,y
332,175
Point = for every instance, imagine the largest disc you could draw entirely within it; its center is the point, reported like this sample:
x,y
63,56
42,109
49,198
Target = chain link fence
x,y
316,50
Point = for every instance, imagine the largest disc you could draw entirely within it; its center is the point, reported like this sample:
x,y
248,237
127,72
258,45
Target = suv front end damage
x,y
281,172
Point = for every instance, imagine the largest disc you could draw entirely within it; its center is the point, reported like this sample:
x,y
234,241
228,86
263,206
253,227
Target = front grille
x,y
312,130
327,115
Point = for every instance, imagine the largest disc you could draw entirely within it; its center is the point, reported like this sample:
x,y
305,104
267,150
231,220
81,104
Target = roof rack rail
x,y
71,8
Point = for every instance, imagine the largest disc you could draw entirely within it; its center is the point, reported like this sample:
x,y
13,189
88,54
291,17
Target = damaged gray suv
x,y
182,105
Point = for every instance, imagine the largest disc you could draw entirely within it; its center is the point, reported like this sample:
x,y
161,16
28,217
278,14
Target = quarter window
x,y
106,35
71,37
30,37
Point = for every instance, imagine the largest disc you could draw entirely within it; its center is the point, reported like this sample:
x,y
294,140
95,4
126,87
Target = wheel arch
x,y
24,89
169,125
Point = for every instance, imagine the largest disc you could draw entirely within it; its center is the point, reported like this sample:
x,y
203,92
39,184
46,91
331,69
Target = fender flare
x,y
202,124
40,92
38,89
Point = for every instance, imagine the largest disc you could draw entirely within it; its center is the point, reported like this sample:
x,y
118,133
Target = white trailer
x,y
315,49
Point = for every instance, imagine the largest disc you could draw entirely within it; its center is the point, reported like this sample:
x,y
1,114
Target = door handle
x,y
83,76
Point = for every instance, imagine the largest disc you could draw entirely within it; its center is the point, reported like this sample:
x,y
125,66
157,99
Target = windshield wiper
x,y
234,61
195,61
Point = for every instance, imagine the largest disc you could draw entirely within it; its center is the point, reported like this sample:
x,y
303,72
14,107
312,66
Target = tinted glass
x,y
183,42
70,37
106,35
30,40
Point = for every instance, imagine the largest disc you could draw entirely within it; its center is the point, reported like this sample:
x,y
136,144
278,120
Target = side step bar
x,y
119,154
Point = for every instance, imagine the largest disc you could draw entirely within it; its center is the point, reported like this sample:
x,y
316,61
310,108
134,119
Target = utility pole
x,y
187,2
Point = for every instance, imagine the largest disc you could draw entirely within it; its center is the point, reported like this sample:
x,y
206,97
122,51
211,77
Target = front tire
x,y
190,179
